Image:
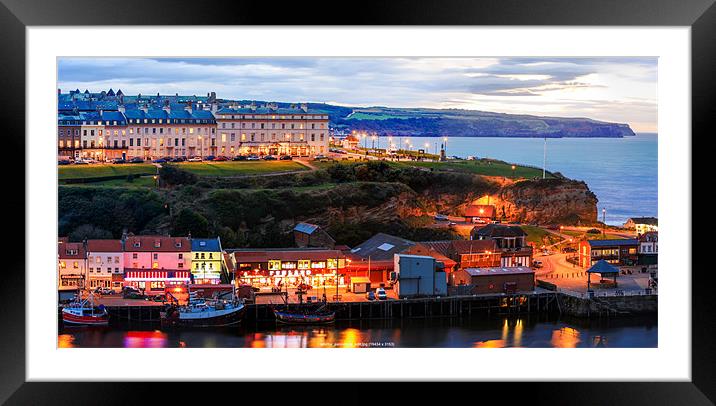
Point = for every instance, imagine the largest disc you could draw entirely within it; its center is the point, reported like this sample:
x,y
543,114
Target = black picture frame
x,y
16,15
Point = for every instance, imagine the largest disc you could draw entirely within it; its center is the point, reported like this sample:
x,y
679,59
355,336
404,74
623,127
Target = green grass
x,y
102,170
539,236
483,167
235,168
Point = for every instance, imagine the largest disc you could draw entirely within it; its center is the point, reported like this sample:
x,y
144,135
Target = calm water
x,y
532,331
622,172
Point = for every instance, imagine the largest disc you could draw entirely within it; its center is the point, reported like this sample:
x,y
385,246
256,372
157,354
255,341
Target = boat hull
x,y
303,319
73,319
230,317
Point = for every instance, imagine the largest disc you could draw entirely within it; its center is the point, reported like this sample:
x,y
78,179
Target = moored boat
x,y
299,316
83,312
204,313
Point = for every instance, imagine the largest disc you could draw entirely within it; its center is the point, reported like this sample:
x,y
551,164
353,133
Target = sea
x,y
622,172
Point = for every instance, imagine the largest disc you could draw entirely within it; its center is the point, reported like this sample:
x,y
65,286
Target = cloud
x,y
563,86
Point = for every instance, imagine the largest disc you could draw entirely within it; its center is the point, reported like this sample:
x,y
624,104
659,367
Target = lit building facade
x,y
105,264
269,130
289,267
71,265
206,260
117,126
153,262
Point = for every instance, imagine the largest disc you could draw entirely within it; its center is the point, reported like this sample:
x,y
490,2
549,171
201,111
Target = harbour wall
x,y
451,306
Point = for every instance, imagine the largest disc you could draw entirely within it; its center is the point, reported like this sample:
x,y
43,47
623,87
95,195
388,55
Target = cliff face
x,y
562,201
547,201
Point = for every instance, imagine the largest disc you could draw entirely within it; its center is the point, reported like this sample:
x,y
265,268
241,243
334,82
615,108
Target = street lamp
x,y
445,143
604,221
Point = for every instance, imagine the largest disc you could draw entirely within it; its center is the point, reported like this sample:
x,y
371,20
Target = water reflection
x,y
145,339
565,337
499,332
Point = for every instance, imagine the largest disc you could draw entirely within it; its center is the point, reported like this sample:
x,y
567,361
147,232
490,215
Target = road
x,y
555,269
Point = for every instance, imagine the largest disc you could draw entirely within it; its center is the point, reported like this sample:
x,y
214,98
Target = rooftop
x,y
499,271
500,231
613,243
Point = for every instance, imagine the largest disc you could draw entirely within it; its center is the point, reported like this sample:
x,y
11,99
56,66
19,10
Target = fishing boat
x,y
83,312
201,312
304,316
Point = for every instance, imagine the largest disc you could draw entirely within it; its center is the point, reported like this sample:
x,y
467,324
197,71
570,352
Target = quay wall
x,y
609,306
450,306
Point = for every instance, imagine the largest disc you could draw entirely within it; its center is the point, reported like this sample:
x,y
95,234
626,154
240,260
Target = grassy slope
x,y
98,171
478,167
234,168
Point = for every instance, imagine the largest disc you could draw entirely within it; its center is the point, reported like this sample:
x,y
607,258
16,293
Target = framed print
x,y
428,195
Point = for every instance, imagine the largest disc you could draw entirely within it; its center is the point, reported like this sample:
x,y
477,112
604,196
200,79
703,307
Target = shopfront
x,y
291,268
154,281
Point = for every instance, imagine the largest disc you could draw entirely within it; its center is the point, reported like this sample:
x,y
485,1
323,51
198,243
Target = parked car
x,y
177,159
209,158
119,161
370,295
156,298
239,158
269,158
63,162
194,159
221,158
160,161
286,158
320,157
441,217
103,291
380,293
252,157
136,160
537,264
83,161
569,249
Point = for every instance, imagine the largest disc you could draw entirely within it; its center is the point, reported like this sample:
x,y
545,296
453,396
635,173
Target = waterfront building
x,y
206,260
105,264
71,264
493,280
511,242
468,253
350,142
480,213
270,130
616,252
311,235
649,248
279,267
642,224
419,275
153,262
373,258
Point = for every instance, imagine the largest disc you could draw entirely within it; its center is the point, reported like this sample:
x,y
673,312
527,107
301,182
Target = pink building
x,y
153,262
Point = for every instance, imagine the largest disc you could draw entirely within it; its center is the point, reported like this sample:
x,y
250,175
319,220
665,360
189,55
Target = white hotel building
x,y
270,130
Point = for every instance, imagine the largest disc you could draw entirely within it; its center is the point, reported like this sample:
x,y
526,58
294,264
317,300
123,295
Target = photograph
x,y
357,202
